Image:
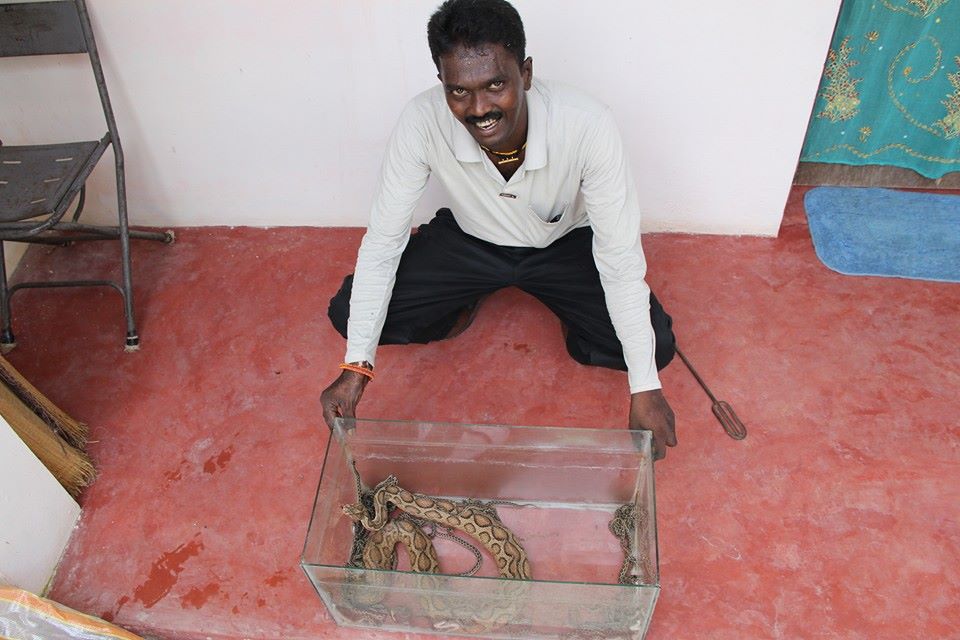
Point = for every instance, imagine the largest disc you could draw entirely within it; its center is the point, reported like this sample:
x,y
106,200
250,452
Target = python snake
x,y
478,523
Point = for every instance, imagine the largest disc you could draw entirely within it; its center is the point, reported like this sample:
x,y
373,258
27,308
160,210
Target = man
x,y
542,199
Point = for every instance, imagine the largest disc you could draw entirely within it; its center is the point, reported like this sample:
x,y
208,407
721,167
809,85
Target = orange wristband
x,y
364,371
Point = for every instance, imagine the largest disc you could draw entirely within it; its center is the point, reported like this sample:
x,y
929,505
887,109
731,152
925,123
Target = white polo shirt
x,y
574,174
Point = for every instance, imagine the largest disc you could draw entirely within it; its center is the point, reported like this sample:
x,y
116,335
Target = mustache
x,y
486,116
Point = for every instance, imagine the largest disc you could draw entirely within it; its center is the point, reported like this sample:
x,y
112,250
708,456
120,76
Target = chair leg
x,y
7,341
133,340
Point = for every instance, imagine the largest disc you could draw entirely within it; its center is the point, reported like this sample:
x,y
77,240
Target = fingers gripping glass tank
x,y
488,531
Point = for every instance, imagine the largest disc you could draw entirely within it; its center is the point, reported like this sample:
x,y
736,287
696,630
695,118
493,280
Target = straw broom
x,y
74,432
69,465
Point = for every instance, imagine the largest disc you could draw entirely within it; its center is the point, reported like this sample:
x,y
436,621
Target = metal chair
x,y
39,183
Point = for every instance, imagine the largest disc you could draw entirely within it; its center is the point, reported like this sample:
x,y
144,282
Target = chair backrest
x,y
41,28
53,28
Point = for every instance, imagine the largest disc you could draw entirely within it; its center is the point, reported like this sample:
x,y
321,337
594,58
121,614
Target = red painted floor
x,y
838,517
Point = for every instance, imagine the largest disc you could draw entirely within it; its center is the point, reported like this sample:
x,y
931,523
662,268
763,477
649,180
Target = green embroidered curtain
x,y
890,92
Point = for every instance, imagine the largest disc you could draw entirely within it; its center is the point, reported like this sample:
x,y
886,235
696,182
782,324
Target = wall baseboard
x,y
824,173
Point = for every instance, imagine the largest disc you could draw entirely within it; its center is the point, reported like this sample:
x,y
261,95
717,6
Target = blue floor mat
x,y
882,232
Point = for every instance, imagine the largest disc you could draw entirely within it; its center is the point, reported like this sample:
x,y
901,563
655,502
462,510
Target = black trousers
x,y
444,271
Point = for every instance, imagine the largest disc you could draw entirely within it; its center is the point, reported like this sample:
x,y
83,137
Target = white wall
x,y
244,112
36,515
12,252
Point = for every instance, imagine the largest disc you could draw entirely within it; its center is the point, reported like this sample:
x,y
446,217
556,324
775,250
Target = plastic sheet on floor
x,y
25,616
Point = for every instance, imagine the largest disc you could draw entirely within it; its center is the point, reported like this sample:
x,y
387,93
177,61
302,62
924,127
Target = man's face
x,y
485,89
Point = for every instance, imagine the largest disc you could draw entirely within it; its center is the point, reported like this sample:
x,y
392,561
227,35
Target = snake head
x,y
372,510
354,511
386,483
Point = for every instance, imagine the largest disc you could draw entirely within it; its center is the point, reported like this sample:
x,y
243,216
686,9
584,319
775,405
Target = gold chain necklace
x,y
506,157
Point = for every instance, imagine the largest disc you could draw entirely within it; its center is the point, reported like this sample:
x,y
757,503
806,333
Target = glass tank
x,y
488,531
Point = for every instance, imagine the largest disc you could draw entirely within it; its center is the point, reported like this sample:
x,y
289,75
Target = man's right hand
x,y
341,398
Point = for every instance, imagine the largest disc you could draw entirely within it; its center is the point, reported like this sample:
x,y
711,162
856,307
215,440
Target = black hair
x,y
473,23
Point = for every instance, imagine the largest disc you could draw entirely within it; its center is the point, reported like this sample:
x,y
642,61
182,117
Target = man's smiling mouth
x,y
488,124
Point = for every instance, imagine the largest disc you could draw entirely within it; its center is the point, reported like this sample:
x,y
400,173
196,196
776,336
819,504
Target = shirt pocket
x,y
549,217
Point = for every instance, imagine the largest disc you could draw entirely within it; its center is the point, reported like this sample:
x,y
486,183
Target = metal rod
x,y
722,410
62,284
6,328
703,384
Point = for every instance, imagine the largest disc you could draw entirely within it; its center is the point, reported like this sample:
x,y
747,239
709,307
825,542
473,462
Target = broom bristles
x,y
69,465
73,431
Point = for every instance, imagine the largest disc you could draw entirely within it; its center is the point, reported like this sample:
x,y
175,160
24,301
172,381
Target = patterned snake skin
x,y
379,550
509,555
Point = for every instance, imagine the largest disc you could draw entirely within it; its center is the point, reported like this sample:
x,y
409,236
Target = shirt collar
x,y
466,149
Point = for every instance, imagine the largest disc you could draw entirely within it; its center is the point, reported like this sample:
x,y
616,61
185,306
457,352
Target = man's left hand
x,y
649,410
